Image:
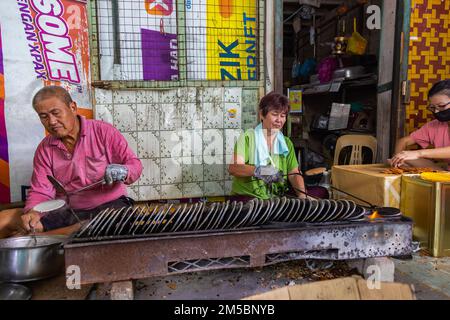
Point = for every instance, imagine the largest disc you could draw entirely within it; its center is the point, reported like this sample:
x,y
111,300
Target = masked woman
x,y
264,159
435,133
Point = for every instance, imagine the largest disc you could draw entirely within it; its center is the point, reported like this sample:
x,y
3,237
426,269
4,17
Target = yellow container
x,y
428,204
356,43
367,182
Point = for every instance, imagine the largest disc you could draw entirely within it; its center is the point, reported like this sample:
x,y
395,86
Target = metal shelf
x,y
339,84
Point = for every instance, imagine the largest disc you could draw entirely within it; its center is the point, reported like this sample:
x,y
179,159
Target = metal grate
x,y
172,40
201,216
206,264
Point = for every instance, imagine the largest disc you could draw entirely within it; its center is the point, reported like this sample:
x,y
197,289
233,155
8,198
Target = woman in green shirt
x,y
264,160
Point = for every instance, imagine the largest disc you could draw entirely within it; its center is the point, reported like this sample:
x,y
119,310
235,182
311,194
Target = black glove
x,y
269,174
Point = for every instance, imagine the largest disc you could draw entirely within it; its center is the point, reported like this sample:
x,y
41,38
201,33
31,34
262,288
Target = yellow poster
x,y
296,100
232,48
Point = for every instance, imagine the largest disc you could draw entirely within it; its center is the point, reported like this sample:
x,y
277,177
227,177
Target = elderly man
x,y
77,152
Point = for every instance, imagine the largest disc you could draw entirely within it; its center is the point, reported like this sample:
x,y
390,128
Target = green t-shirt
x,y
250,186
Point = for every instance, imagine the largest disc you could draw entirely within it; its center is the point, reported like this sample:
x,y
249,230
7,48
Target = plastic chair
x,y
359,144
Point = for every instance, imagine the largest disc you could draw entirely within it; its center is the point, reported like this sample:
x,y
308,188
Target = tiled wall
x,y
184,137
429,55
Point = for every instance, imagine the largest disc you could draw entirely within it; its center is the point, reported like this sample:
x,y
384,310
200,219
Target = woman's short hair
x,y
441,87
274,102
50,92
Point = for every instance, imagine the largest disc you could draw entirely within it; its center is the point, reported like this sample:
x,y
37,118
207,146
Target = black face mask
x,y
443,116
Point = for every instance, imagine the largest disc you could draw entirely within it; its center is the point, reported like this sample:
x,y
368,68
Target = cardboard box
x,y
428,204
352,288
368,183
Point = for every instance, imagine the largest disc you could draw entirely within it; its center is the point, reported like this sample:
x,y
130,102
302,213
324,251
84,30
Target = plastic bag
x,y
326,68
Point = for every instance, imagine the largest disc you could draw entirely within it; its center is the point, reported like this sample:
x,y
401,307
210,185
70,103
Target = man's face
x,y
58,118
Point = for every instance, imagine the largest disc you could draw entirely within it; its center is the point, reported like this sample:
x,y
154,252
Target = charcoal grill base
x,y
119,260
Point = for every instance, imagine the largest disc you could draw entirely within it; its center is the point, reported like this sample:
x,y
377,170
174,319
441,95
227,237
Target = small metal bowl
x,y
13,291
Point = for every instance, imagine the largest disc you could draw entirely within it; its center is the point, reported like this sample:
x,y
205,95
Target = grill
x,y
231,215
159,239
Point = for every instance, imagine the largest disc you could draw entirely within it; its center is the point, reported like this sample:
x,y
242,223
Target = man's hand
x,y
31,220
115,172
269,174
400,158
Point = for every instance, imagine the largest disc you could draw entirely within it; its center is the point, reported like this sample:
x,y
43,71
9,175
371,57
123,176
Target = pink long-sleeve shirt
x,y
99,144
434,133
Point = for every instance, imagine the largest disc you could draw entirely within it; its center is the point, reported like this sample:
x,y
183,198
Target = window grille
x,y
142,43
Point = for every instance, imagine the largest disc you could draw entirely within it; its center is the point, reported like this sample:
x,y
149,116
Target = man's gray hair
x,y
50,92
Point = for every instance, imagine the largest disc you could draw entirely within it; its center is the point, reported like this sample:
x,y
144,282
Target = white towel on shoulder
x,y
262,156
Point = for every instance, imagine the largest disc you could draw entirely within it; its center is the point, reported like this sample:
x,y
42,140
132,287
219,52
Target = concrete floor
x,y
430,278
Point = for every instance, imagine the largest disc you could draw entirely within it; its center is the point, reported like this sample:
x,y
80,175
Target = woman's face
x,y
274,120
439,102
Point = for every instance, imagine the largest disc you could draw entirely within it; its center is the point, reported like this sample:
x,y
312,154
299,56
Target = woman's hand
x,y
400,158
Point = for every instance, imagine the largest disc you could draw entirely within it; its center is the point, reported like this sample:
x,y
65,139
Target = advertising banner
x,y
43,42
222,39
138,40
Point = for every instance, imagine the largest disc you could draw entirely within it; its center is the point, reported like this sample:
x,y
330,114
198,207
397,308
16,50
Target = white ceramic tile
x,y
211,94
212,115
228,187
171,191
103,96
214,172
232,94
124,96
187,94
193,190
213,189
147,96
150,173
217,159
213,142
147,193
192,144
125,117
171,170
131,138
168,96
170,118
250,97
133,192
147,117
228,159
104,112
148,144
231,137
232,115
192,169
170,143
191,116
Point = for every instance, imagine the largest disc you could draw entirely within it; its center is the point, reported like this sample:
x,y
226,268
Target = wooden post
x,y
278,82
270,45
385,77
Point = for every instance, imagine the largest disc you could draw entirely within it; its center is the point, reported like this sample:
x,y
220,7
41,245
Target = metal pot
x,y
349,72
22,260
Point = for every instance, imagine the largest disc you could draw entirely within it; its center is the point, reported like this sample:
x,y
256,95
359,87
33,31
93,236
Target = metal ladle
x,y
33,234
60,188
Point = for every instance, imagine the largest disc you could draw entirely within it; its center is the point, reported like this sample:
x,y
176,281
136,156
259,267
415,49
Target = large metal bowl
x,y
22,260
